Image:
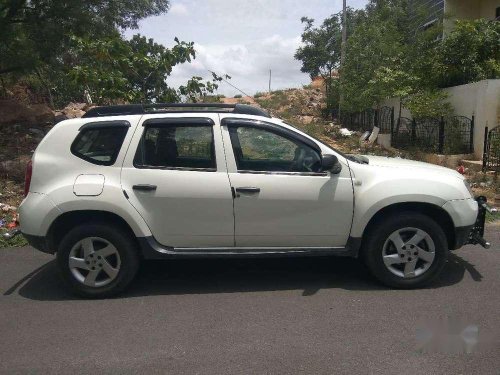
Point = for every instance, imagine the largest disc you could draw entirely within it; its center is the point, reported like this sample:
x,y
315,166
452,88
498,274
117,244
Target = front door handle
x,y
144,187
248,190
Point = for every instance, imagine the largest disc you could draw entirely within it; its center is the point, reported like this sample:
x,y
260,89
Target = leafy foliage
x,y
470,52
67,47
320,53
386,58
136,70
38,32
388,55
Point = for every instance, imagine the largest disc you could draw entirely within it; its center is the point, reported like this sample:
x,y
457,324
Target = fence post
x,y
485,151
471,140
441,136
392,121
375,120
413,131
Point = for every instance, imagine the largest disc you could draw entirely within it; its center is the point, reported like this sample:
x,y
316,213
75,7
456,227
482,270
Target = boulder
x,y
13,112
74,110
43,114
306,119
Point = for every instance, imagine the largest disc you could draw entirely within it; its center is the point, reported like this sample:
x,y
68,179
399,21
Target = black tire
x,y
376,238
124,243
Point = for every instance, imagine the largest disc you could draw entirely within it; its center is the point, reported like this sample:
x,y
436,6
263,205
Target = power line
x,y
229,83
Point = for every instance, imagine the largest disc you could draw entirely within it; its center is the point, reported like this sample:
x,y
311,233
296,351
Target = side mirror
x,y
331,163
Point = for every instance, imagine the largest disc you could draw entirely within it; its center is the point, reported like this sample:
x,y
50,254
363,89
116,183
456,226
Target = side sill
x,y
152,249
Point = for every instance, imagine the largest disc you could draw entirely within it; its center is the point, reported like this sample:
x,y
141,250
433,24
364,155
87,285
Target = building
x,y
451,10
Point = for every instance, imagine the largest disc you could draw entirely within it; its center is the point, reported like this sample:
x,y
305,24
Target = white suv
x,y
135,182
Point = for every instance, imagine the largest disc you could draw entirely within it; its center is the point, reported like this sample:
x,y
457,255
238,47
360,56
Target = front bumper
x,y
477,232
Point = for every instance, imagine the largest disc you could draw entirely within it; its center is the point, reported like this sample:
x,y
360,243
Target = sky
x,y
242,38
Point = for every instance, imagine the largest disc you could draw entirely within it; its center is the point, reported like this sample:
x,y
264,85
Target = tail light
x,y
27,177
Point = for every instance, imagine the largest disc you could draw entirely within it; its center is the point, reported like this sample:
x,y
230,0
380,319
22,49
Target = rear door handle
x,y
248,190
144,187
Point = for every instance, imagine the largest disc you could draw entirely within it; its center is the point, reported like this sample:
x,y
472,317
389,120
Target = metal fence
x,y
367,119
491,155
450,135
385,120
360,121
443,135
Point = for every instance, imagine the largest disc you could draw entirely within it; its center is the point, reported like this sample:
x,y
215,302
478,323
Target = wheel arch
x,y
437,213
69,220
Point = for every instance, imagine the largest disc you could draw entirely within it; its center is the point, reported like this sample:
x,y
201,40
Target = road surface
x,y
274,316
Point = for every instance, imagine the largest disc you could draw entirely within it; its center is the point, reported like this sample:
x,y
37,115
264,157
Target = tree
x,y
136,70
388,56
320,53
36,33
470,52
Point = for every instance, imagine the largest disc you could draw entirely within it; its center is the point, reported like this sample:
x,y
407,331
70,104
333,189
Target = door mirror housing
x,y
330,163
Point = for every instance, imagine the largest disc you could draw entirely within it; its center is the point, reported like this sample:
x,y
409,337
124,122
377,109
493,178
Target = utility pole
x,y
269,81
342,47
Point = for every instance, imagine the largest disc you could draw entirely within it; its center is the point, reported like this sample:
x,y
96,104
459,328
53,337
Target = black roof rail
x,y
140,109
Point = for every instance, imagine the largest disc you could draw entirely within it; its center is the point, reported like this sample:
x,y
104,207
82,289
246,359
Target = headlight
x,y
467,185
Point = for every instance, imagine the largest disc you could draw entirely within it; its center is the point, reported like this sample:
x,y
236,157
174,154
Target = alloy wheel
x,y
408,252
94,262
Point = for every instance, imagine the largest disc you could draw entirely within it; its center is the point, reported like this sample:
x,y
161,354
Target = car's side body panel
x,y
55,171
379,187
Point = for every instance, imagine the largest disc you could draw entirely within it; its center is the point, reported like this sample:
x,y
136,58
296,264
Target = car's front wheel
x,y
97,260
406,250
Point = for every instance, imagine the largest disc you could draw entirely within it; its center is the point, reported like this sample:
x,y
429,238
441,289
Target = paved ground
x,y
246,316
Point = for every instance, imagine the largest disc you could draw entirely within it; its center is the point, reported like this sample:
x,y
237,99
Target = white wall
x,y
481,99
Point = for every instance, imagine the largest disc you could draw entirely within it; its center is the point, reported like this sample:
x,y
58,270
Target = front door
x,y
175,176
282,197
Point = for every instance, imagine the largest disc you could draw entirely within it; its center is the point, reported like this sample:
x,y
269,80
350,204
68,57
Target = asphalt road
x,y
274,316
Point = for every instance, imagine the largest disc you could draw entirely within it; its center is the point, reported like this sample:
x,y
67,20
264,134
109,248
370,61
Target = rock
x,y
306,119
13,112
74,110
59,116
43,114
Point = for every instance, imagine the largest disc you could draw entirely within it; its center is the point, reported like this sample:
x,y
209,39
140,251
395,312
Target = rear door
x,y
175,176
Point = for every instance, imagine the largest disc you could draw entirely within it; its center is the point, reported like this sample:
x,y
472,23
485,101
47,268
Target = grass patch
x,y
490,218
17,241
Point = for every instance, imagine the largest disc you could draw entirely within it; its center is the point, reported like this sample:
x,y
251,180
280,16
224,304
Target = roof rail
x,y
140,109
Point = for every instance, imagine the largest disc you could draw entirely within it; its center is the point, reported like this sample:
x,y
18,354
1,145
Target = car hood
x,y
381,161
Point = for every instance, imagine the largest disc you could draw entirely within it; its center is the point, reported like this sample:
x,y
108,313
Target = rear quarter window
x,y
99,145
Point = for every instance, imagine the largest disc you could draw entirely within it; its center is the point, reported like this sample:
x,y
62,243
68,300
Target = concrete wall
x,y
479,99
468,10
482,99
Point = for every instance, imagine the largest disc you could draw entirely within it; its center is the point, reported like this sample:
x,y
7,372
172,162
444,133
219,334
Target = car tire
x,y
97,260
401,242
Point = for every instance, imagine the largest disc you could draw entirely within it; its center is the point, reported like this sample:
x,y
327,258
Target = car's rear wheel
x,y
406,250
97,260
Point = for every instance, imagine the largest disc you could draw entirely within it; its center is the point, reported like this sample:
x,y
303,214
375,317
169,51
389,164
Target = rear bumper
x,y
39,243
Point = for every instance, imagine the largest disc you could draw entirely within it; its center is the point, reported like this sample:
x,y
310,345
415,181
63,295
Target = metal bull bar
x,y
477,232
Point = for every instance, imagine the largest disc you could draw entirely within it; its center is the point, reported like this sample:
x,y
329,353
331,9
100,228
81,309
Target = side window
x,y
99,145
176,147
261,150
